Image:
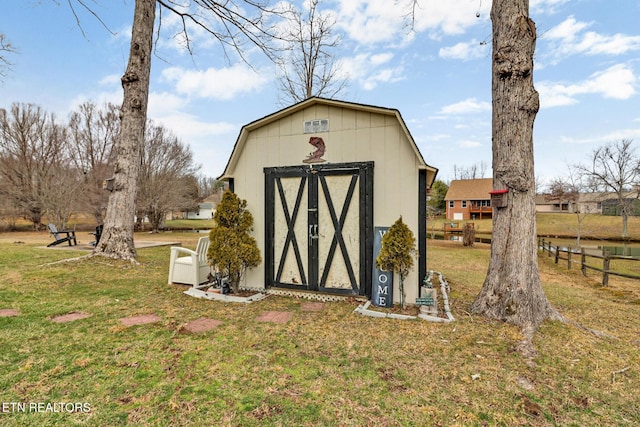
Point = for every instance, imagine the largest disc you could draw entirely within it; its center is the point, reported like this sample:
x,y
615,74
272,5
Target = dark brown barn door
x,y
319,223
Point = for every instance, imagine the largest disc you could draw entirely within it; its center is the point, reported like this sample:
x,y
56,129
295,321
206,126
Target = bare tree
x,y
61,192
166,178
474,171
512,291
93,133
208,186
231,23
5,48
615,167
571,189
116,240
32,146
307,69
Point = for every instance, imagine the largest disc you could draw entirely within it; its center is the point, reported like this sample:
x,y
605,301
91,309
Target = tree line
x,y
53,169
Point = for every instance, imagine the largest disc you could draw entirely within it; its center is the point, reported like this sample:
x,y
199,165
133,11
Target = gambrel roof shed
x,y
353,112
318,176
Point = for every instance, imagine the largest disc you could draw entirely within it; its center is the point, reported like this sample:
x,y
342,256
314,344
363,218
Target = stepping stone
x,y
9,312
70,317
140,320
312,306
275,316
201,325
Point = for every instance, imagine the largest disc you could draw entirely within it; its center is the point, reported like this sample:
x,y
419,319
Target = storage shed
x,y
318,176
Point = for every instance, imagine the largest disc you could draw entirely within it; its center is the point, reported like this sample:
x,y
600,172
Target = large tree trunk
x,y
117,237
512,290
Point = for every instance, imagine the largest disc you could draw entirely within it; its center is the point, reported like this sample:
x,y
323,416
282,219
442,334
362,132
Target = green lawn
x,y
326,368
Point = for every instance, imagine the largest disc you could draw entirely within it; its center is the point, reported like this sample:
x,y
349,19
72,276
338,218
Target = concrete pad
x,y
275,316
312,306
9,312
87,247
140,320
70,317
201,325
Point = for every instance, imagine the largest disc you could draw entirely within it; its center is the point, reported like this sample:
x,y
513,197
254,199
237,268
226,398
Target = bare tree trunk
x,y
117,237
512,291
625,222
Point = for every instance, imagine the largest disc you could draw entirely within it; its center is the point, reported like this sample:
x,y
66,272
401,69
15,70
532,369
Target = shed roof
x,y
246,129
470,189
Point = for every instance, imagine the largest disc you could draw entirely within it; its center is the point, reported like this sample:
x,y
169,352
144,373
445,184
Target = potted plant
x,y
233,249
397,252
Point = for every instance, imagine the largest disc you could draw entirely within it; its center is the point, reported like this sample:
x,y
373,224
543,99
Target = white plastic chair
x,y
191,269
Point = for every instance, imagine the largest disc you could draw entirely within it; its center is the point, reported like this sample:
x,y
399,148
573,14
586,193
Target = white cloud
x,y
438,137
100,98
570,38
366,70
189,128
377,21
467,143
451,17
465,51
604,138
381,58
545,6
370,22
170,110
163,103
110,80
468,106
214,83
616,82
566,30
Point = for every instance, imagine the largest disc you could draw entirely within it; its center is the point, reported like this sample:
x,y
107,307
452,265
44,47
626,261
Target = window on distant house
x,y
464,203
451,203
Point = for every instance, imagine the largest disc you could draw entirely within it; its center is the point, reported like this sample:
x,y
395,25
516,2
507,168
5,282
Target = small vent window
x,y
315,126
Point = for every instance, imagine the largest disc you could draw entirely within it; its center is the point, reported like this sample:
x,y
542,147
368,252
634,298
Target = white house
x,y
205,211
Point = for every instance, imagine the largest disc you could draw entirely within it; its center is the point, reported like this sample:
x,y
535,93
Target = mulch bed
x,y
70,317
140,320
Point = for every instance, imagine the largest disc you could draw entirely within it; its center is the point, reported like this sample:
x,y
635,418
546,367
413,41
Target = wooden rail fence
x,y
582,256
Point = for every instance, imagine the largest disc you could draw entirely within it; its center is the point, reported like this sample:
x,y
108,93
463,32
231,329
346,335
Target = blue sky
x,y
587,68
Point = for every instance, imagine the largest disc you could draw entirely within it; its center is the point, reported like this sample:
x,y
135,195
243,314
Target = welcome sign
x,y
382,295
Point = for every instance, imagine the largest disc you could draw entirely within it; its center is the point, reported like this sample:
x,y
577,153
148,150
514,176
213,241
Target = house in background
x,y
544,203
318,177
597,203
469,199
206,208
205,211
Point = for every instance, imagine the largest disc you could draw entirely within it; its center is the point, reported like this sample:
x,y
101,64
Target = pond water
x,y
600,246
593,246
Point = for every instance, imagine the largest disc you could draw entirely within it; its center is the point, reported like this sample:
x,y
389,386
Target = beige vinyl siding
x,y
354,136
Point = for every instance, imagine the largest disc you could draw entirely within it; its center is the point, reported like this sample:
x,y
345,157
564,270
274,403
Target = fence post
x,y
549,250
583,261
557,253
606,262
569,258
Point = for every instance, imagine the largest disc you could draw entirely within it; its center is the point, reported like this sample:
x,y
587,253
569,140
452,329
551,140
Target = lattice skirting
x,y
314,295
